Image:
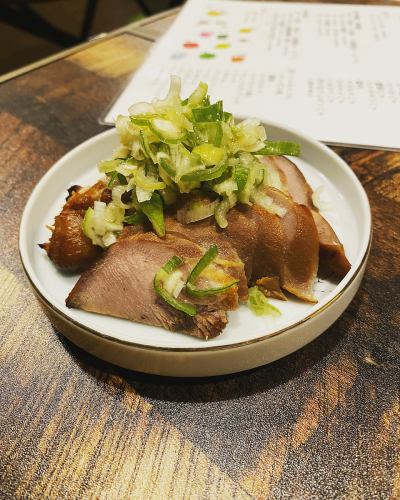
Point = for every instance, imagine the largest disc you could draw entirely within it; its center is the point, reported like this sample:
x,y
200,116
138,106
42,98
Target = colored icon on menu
x,y
190,45
214,13
206,34
222,36
238,58
245,30
222,46
207,55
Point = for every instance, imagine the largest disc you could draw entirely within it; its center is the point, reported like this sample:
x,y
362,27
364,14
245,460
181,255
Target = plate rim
x,y
343,285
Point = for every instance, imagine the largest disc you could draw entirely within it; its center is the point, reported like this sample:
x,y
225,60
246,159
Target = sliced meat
x,y
268,259
300,246
68,247
120,284
267,244
205,234
331,251
301,253
242,232
208,323
293,179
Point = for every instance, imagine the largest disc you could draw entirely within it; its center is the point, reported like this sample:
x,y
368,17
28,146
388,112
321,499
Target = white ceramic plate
x,y
248,340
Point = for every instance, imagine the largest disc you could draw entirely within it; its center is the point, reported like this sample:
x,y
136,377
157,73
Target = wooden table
x,y
321,423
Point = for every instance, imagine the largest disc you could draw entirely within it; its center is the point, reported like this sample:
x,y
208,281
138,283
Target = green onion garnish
x,y
259,304
176,145
213,113
279,148
207,258
113,176
153,210
207,174
158,284
136,218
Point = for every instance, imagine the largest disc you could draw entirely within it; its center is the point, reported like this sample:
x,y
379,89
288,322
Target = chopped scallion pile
x,y
175,145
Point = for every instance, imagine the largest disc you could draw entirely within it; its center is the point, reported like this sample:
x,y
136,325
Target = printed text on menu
x,y
326,70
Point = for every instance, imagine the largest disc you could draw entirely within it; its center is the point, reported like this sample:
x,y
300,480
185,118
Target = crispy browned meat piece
x,y
332,254
84,198
120,284
68,247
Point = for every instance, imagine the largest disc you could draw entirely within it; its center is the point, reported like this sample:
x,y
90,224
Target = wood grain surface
x,y
320,423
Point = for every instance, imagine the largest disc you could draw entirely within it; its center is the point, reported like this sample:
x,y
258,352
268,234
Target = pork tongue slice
x,y
120,284
331,251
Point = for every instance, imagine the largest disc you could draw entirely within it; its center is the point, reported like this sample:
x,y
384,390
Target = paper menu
x,y
330,70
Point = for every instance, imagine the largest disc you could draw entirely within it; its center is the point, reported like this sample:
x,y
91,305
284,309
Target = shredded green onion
x,y
158,284
240,174
198,95
279,148
113,176
207,258
122,179
173,146
136,218
211,113
153,210
207,174
205,261
259,304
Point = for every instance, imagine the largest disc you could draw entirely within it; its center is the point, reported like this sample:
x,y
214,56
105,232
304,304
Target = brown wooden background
x,y
321,423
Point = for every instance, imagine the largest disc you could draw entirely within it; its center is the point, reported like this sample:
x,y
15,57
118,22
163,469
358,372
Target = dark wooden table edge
x,y
133,29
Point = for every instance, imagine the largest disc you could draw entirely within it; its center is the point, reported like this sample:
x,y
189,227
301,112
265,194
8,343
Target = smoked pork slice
x,y
120,284
331,251
332,254
243,234
271,245
300,245
293,179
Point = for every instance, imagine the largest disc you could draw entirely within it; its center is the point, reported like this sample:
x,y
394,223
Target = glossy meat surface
x,y
68,247
286,246
332,254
